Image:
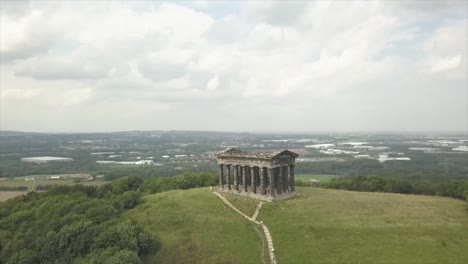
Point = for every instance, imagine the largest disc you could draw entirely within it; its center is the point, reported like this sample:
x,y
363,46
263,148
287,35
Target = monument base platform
x,y
266,198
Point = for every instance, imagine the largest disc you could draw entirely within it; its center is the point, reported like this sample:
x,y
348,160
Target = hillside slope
x,y
194,226
321,226
335,226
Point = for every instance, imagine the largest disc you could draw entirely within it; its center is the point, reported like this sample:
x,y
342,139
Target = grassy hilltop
x,y
194,226
321,226
336,226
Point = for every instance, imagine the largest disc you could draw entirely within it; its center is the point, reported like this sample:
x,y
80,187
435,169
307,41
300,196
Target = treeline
x,y
75,224
84,224
433,167
14,188
183,181
453,188
115,172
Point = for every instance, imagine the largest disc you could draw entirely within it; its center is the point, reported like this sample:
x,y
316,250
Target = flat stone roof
x,y
234,152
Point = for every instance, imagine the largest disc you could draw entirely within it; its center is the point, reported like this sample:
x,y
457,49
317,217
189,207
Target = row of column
x,y
262,180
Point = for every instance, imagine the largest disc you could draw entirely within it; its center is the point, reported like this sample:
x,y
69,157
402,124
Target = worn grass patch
x,y
194,226
244,204
5,195
336,226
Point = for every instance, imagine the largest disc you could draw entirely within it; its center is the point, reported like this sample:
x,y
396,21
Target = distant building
x,y
338,152
352,144
321,146
140,162
425,149
55,177
461,148
105,162
384,157
45,159
102,153
443,143
362,156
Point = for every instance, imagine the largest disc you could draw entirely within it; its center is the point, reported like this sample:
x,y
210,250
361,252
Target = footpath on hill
x,y
253,219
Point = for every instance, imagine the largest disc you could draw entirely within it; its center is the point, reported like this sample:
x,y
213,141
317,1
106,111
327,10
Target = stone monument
x,y
267,176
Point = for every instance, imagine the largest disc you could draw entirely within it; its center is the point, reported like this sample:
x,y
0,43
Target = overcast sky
x,y
234,66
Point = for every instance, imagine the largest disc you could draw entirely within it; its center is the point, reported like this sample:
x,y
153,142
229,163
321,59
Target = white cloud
x,y
213,83
315,65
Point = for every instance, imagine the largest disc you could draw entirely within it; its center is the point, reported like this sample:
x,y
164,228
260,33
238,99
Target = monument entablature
x,y
266,176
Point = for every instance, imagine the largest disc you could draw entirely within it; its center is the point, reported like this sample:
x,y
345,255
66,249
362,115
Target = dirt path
x,y
257,210
271,249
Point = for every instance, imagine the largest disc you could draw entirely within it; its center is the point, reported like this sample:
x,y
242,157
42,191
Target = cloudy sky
x,y
234,66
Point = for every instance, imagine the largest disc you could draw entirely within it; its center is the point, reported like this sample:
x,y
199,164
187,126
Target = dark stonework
x,y
244,178
291,178
228,177
221,175
284,173
271,174
253,176
279,183
265,176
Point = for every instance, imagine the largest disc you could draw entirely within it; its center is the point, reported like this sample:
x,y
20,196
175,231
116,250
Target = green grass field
x,y
321,177
336,226
194,226
320,226
244,204
20,182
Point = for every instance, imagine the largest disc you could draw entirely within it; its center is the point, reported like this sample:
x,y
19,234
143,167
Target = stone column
x,y
292,183
284,173
221,176
263,175
279,184
241,172
271,174
228,176
244,178
236,177
253,176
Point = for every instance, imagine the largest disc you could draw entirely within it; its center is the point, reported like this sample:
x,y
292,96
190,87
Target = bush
x,y
74,224
183,181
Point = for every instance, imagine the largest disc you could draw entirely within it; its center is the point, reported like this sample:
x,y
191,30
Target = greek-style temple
x,y
267,176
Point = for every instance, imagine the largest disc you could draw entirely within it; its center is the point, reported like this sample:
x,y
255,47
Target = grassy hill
x,y
196,227
321,226
335,226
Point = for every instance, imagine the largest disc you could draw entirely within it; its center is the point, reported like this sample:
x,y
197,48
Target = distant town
x,y
166,153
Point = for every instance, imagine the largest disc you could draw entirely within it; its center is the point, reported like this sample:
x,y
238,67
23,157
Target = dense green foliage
x,y
431,167
74,224
183,181
13,188
454,188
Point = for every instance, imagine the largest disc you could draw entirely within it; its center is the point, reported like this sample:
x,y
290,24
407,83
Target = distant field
x,y
20,181
194,226
336,226
321,177
4,195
